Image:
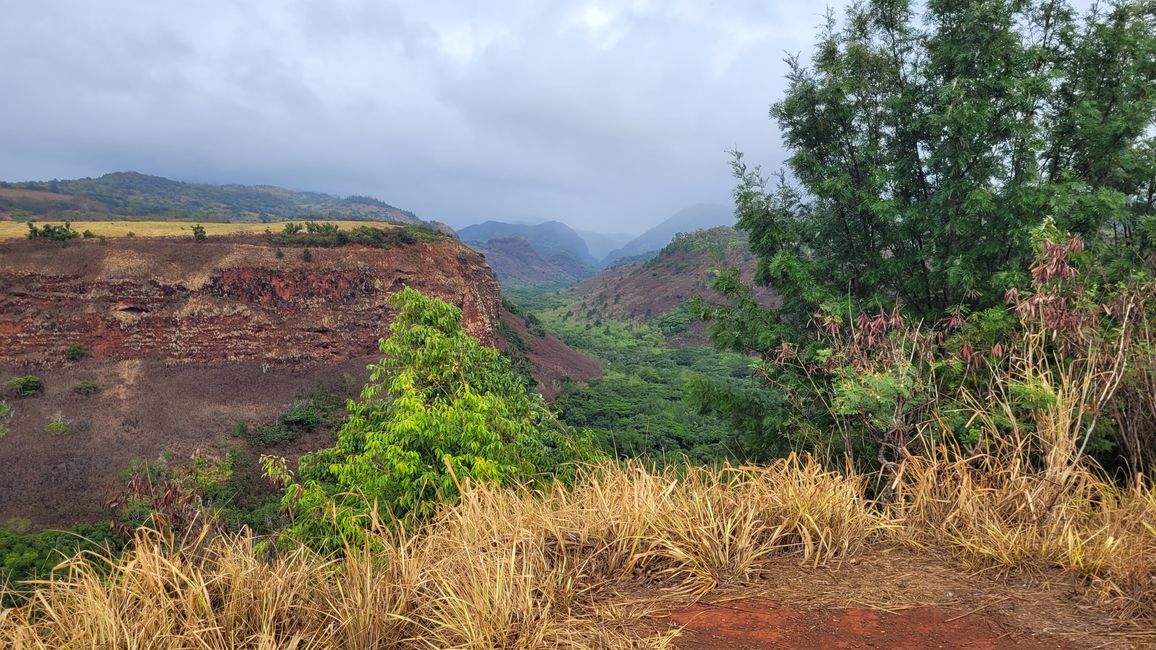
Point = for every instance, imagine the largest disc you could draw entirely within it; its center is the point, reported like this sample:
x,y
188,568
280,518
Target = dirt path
x,y
750,624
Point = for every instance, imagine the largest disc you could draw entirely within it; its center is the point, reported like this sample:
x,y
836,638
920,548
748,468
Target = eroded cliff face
x,y
182,301
184,340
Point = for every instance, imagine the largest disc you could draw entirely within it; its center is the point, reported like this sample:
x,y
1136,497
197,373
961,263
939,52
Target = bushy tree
x,y
439,409
928,141
931,147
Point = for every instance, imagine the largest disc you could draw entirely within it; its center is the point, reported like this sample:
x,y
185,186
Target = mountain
x,y
602,244
696,217
519,266
133,195
657,289
553,241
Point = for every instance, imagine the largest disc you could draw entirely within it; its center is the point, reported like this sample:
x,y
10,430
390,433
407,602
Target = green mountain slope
x,y
135,195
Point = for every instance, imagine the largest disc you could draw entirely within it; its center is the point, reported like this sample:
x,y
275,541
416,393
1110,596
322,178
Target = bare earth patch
x,y
897,598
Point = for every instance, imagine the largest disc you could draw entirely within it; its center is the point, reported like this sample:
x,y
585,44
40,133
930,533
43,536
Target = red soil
x,y
748,624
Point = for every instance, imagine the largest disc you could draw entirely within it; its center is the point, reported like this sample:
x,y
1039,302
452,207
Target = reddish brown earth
x,y
553,360
749,624
893,596
645,290
186,338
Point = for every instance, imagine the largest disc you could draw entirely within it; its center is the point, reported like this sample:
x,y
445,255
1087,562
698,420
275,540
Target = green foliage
x,y
58,425
639,407
439,409
75,352
88,234
328,235
51,232
306,255
927,145
129,194
322,408
279,253
26,555
87,387
26,386
199,232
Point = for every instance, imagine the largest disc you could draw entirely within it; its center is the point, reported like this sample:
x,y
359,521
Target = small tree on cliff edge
x,y
440,409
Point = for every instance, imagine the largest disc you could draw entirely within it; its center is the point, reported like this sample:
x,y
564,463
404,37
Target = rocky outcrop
x,y
183,301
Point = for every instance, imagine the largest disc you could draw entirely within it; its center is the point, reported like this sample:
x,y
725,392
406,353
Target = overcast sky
x,y
607,115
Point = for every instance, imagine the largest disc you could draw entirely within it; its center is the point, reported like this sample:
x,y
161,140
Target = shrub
x,y
279,253
49,231
302,417
306,256
75,352
130,234
199,232
88,234
58,425
86,388
241,429
268,435
26,386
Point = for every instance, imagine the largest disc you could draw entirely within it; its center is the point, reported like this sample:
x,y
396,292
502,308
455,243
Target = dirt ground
x,y
146,409
899,598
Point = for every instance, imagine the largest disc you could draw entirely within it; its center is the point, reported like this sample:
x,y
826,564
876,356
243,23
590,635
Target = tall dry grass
x,y
567,567
502,569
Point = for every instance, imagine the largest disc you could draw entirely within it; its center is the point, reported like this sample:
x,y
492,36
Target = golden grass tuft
x,y
565,567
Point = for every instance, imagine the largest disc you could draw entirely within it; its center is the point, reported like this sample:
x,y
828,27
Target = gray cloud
x,y
607,115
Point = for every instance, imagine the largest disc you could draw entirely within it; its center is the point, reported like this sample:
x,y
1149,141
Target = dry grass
x,y
18,230
563,568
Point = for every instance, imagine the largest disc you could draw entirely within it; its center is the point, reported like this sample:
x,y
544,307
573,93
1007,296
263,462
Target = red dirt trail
x,y
750,624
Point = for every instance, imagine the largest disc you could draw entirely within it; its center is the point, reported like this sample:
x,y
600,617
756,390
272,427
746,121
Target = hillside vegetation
x,y
139,196
958,371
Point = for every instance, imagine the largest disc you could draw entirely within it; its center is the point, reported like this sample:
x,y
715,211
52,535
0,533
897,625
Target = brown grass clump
x,y
564,567
502,569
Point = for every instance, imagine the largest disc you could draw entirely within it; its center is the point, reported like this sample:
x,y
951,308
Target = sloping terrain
x,y
554,242
695,217
182,339
131,194
519,266
649,290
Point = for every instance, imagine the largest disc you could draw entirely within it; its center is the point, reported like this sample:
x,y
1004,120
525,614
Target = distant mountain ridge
x,y
519,266
690,219
136,195
553,240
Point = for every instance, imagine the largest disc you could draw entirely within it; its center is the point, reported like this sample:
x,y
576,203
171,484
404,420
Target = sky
x,y
609,116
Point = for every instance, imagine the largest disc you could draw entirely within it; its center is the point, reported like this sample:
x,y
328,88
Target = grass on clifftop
x,y
18,229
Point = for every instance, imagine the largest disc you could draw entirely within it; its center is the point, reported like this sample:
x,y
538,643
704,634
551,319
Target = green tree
x,y
926,144
199,232
439,409
929,147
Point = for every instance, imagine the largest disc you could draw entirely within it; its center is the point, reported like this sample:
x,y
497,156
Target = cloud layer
x,y
609,116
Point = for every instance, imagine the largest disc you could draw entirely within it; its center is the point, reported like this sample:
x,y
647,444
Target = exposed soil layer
x,y
187,338
554,361
892,596
747,624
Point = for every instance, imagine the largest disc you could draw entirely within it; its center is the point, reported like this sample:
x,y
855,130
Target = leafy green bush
x,y
28,555
86,388
268,435
439,409
306,256
75,352
199,232
303,417
26,386
49,231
